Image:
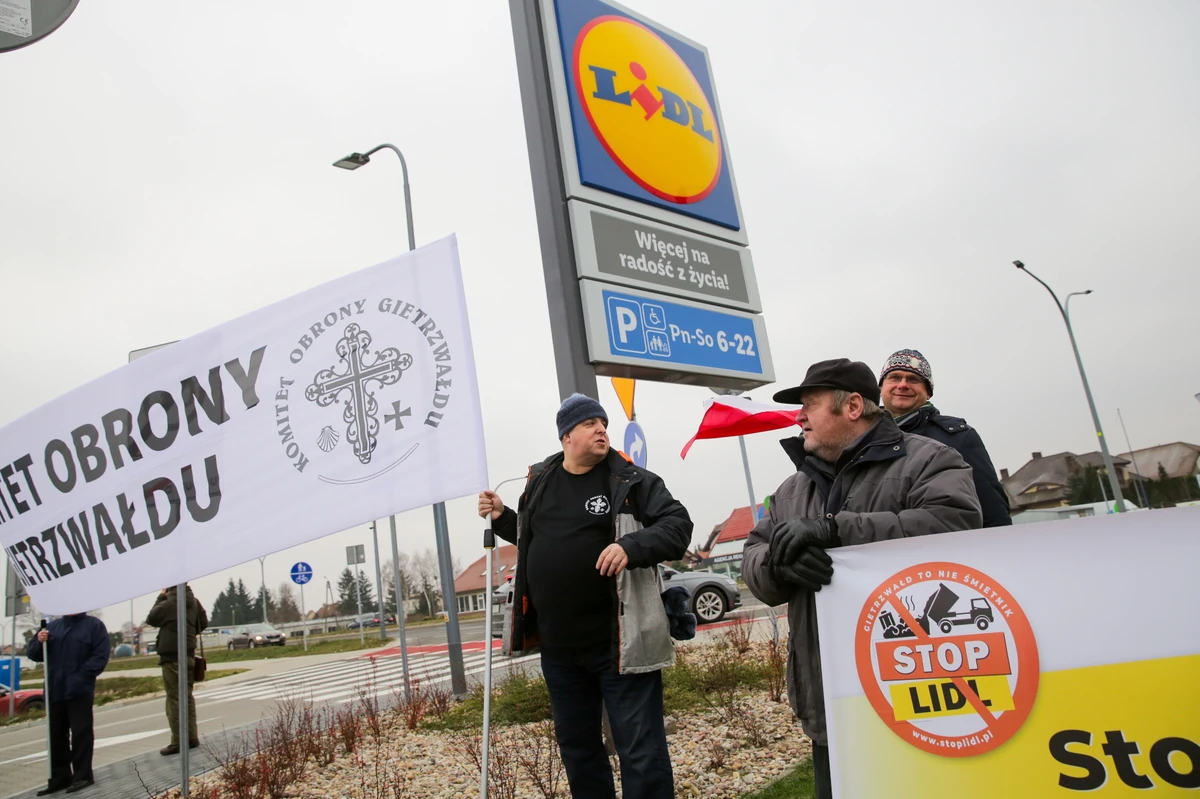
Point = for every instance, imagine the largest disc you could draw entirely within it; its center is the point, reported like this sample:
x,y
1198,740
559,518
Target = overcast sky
x,y
166,167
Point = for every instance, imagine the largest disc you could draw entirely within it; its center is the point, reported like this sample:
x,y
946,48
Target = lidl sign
x,y
643,113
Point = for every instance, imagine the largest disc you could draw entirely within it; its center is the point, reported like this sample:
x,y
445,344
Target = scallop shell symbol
x,y
328,439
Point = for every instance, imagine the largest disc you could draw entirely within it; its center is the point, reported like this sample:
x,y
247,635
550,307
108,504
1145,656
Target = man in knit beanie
x,y
591,529
906,384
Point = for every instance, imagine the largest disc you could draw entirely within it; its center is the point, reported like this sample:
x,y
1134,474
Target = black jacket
x,y
956,433
79,647
666,533
162,616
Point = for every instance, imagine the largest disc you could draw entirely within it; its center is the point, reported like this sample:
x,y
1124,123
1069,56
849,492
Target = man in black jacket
x,y
162,616
591,529
906,383
78,648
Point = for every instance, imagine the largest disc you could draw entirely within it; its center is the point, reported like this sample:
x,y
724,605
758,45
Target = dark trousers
x,y
581,682
71,740
823,781
170,672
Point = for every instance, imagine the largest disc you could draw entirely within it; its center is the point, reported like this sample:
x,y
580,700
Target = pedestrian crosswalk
x,y
345,680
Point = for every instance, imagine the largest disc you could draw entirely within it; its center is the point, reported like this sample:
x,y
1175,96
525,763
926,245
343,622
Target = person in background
x,y
163,616
76,647
906,383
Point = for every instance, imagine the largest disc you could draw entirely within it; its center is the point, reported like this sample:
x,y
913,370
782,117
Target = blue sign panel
x,y
635,444
664,333
301,573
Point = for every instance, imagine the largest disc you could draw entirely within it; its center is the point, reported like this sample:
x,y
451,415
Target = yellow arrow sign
x,y
624,387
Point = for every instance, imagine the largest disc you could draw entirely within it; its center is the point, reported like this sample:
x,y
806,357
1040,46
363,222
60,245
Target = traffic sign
x,y
356,555
663,335
635,444
301,573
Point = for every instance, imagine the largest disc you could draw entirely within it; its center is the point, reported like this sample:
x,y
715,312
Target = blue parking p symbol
x,y
625,331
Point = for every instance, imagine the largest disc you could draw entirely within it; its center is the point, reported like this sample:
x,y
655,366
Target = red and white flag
x,y
726,416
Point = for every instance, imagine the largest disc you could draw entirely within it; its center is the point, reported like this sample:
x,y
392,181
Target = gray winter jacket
x,y
649,524
887,484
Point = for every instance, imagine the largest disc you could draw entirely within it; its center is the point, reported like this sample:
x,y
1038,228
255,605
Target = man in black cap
x,y
591,529
906,383
858,479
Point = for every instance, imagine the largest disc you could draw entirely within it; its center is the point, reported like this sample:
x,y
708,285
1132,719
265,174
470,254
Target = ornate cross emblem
x,y
362,369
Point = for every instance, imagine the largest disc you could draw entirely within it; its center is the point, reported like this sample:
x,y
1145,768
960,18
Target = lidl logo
x,y
647,109
644,113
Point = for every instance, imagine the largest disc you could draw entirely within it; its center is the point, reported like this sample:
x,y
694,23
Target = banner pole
x,y
489,545
45,697
185,738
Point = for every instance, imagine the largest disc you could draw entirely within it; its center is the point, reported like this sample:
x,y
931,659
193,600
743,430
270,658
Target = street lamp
x,y
1118,499
458,676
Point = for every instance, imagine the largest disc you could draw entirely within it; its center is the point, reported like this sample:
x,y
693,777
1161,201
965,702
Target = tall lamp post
x,y
1114,483
458,675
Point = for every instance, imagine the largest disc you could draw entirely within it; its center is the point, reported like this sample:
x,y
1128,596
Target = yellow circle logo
x,y
647,109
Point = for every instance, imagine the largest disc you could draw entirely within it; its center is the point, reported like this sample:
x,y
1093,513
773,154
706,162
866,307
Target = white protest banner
x,y
349,402
1048,659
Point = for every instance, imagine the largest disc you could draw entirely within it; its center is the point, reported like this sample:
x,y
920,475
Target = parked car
x,y
23,701
712,595
255,635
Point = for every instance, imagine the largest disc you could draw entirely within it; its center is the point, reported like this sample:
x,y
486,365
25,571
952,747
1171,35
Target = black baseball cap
x,y
840,373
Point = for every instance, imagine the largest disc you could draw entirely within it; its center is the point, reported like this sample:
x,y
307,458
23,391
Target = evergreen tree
x,y
347,604
222,607
368,592
242,605
272,605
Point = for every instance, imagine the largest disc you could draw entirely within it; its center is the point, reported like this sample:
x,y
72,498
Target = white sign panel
x,y
349,402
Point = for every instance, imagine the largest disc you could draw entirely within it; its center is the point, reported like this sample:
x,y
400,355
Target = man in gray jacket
x,y
859,479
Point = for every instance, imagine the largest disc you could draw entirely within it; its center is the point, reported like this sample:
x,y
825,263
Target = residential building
x,y
470,589
1178,459
1044,482
723,550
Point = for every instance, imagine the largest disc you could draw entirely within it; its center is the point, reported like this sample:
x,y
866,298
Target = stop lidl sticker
x,y
947,658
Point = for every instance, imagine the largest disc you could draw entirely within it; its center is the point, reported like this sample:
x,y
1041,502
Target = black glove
x,y
813,569
789,538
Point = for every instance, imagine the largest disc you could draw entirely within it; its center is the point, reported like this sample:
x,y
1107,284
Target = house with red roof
x,y
723,550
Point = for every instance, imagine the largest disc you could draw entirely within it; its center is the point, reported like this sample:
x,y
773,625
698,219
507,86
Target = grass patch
x,y
111,690
116,688
710,672
273,652
517,698
799,784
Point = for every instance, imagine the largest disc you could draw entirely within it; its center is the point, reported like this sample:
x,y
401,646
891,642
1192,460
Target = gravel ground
x,y
711,759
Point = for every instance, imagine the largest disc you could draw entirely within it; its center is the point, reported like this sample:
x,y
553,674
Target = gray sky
x,y
166,168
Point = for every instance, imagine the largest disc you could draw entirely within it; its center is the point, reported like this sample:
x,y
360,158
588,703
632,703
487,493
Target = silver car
x,y
711,596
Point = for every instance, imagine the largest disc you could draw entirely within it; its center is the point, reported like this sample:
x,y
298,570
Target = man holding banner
x,y
163,616
859,479
590,532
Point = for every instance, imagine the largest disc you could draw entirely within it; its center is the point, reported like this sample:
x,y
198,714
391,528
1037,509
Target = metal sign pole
x,y
362,638
13,676
185,739
400,594
304,616
379,586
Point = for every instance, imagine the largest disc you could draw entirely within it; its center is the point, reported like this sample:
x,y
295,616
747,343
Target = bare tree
x,y
425,570
288,610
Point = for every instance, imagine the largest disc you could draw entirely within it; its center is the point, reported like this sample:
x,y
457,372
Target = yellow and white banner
x,y
1050,659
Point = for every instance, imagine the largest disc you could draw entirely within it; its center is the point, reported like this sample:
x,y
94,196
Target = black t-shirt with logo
x,y
571,526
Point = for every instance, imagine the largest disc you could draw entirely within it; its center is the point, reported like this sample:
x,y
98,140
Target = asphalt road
x,y
137,728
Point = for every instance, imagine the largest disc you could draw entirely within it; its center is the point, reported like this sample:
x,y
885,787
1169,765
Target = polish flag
x,y
727,416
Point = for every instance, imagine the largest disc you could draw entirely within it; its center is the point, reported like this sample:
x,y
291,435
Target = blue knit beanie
x,y
578,408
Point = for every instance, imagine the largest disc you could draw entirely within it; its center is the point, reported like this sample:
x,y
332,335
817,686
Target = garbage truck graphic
x,y
939,612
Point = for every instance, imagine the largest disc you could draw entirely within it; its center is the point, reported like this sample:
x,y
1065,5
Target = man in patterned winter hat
x,y
906,383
